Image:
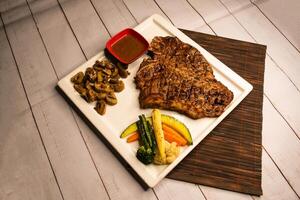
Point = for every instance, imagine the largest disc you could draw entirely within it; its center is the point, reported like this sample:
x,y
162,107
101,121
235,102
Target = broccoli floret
x,y
145,155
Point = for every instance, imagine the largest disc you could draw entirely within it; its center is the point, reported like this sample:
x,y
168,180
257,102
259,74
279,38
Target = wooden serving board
x,y
230,156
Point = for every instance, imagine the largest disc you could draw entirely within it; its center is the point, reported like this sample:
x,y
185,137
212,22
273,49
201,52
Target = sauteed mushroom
x,y
111,99
118,86
91,95
79,88
77,78
99,77
98,65
91,74
100,107
101,95
99,83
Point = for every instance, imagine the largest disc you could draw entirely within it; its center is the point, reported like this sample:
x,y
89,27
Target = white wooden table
x,y
48,152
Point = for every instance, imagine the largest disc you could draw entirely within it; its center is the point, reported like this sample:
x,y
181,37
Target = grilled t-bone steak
x,y
177,77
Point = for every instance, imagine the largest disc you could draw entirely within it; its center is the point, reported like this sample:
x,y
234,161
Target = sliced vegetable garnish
x,y
178,126
134,137
129,130
172,136
167,120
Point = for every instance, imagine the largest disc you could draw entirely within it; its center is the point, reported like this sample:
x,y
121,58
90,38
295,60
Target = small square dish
x,y
127,46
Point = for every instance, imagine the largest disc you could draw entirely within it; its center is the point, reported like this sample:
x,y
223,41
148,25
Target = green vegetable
x,y
147,129
145,153
152,137
142,132
130,129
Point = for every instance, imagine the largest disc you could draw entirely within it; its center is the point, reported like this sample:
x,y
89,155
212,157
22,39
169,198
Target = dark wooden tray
x,y
230,156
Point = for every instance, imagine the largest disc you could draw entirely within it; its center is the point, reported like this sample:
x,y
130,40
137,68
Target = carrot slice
x,y
173,136
133,137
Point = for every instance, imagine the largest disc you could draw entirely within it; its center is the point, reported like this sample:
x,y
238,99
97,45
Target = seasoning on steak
x,y
177,77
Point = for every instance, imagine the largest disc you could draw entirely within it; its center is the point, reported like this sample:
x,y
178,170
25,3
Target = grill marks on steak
x,y
177,77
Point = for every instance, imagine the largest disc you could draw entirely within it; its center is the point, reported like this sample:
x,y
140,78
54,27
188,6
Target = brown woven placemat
x,y
230,156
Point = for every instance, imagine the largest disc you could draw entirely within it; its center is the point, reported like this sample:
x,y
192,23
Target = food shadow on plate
x,y
104,140
114,60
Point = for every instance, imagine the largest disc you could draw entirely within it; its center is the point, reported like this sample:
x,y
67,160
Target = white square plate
x,y
118,117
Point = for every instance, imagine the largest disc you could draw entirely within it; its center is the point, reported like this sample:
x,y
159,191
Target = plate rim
x,y
140,168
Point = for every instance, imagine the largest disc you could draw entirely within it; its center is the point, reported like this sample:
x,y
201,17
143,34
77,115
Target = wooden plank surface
x,y
25,170
181,13
280,50
288,22
172,189
57,36
287,110
284,150
280,176
114,15
6,5
72,164
87,26
142,9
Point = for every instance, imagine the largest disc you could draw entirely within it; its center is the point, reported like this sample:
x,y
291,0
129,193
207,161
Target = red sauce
x,y
128,48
